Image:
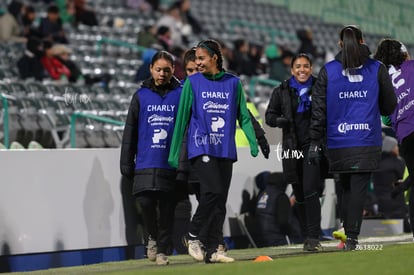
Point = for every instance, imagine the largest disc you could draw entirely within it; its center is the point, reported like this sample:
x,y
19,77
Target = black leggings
x,y
215,176
354,192
307,195
406,151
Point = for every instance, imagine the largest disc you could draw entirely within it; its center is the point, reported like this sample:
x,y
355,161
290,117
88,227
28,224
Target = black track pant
x,y
215,176
158,215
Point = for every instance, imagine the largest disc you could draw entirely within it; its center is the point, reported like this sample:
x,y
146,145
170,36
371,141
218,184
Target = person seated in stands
x,y
84,15
62,53
164,38
30,65
180,30
279,60
147,36
391,169
28,19
11,29
242,63
55,68
307,46
51,26
276,225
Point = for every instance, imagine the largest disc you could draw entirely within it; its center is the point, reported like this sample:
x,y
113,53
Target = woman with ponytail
x,y
348,99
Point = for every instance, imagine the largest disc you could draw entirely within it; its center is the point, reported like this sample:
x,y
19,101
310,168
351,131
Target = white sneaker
x,y
152,250
195,249
220,256
162,259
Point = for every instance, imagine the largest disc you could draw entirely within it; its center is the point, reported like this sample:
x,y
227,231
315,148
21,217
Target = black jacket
x,y
153,179
345,160
283,104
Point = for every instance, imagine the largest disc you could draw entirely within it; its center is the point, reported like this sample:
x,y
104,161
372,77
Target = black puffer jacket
x,y
152,179
283,104
353,159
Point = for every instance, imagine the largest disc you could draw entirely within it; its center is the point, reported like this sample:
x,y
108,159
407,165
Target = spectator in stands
x,y
256,53
242,63
289,108
305,37
173,19
144,153
164,38
84,15
11,26
391,169
185,10
55,68
395,56
274,219
227,54
350,121
62,52
66,10
30,65
28,18
51,26
147,36
212,154
178,53
279,62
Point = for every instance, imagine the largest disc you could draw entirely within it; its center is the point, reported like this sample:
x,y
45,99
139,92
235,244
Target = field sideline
x,y
382,255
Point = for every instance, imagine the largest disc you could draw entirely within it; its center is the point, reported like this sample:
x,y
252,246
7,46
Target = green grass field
x,y
377,257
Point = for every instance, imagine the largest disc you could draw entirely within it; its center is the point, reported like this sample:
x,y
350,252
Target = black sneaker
x,y
351,244
312,245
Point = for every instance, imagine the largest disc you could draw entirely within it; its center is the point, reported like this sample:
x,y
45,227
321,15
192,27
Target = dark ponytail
x,y
351,40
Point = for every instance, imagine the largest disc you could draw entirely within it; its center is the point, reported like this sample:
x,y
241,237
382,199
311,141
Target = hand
x,y
264,146
314,154
282,122
400,187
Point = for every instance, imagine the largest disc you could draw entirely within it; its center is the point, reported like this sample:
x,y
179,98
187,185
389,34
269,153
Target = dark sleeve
x,y
274,108
318,119
130,139
400,168
387,97
258,130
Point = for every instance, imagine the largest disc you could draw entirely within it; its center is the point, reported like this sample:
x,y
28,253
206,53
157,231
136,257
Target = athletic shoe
x,y
152,250
162,259
351,244
219,256
195,249
312,245
339,235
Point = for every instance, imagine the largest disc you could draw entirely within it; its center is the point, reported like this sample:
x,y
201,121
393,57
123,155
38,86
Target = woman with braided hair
x,y
211,102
